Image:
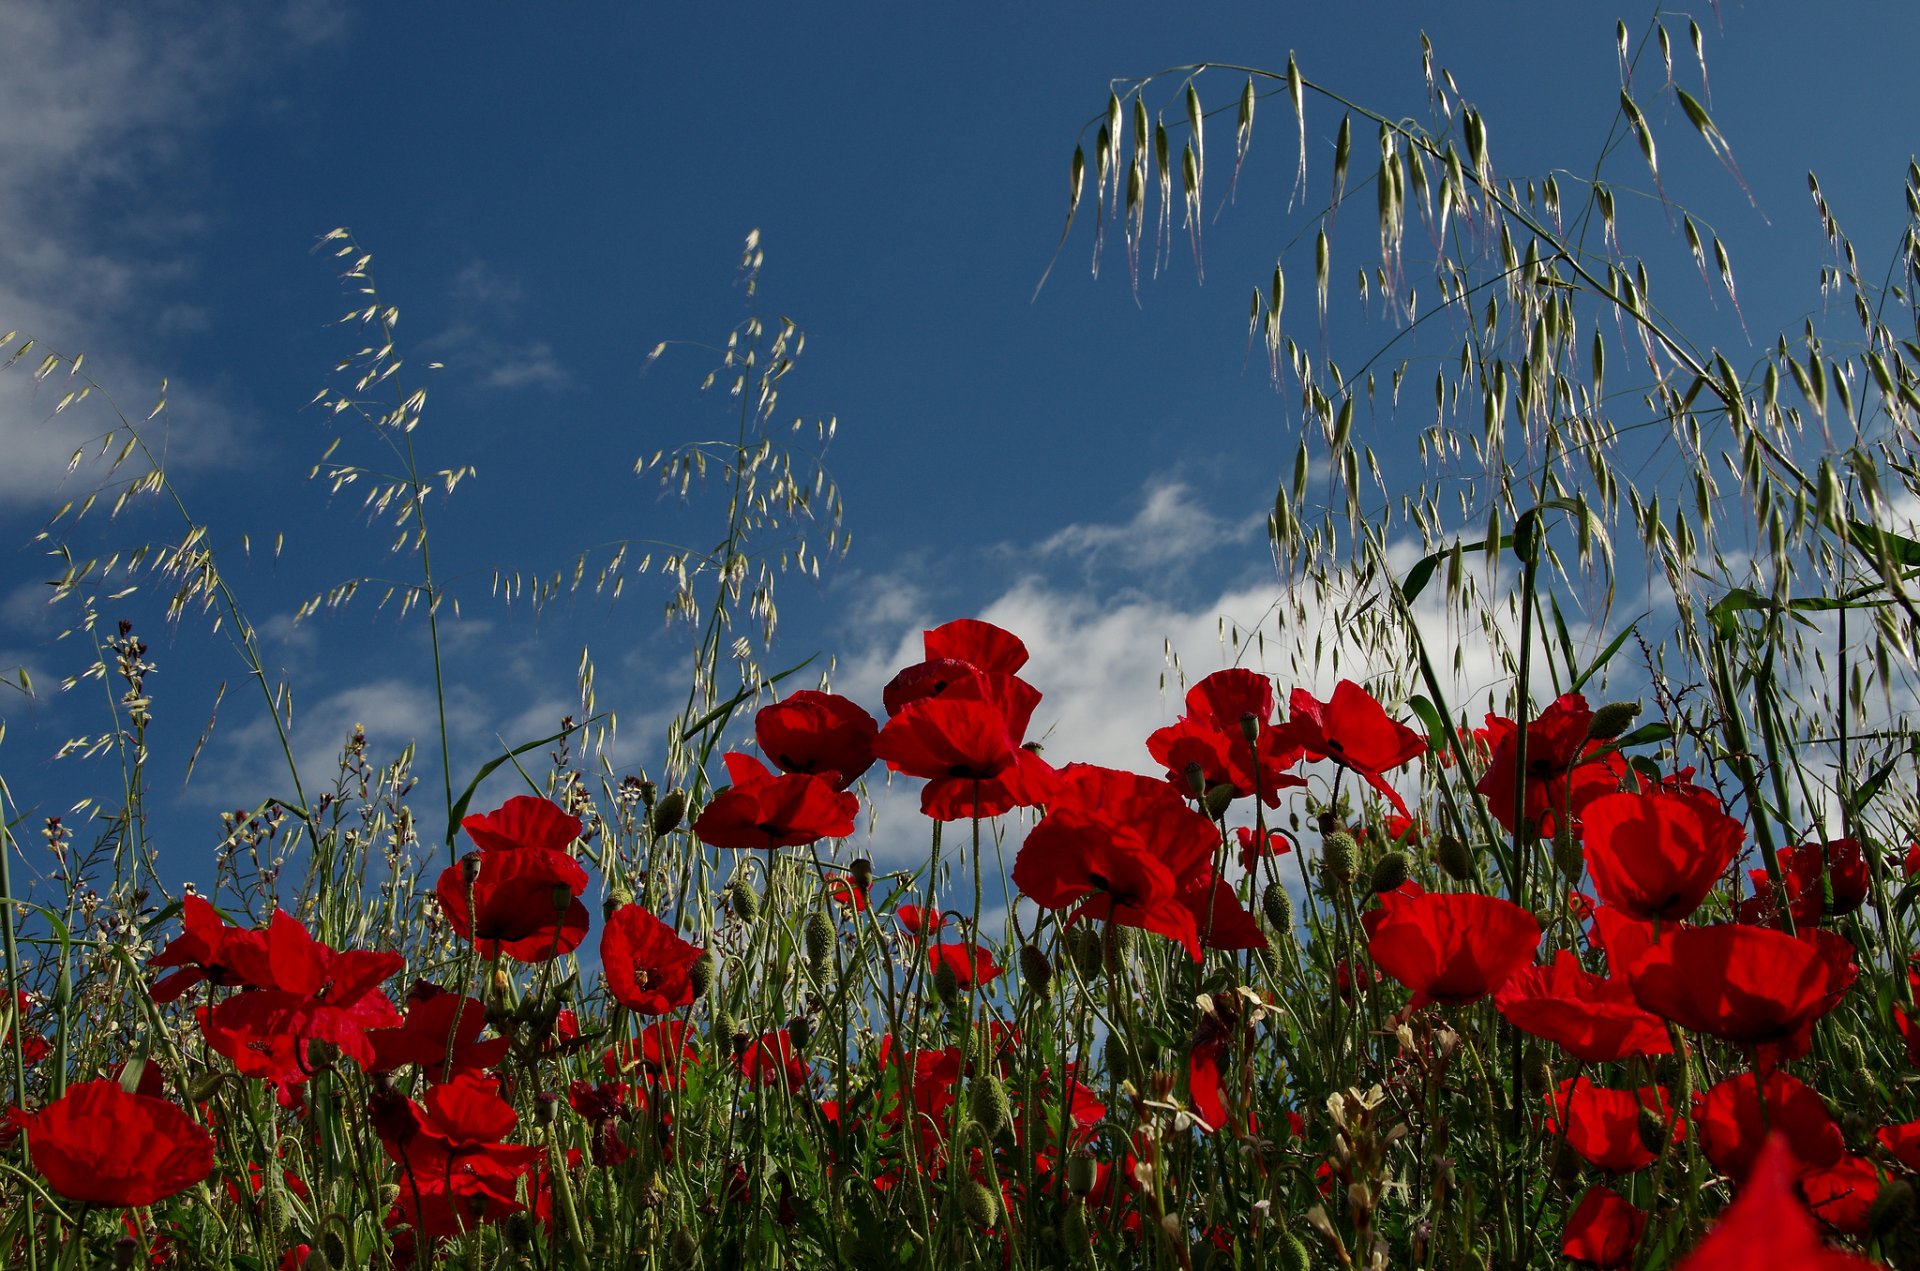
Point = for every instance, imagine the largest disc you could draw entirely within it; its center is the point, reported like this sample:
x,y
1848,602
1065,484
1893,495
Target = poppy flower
x,y
921,920
849,891
647,967
1603,1231
1733,1126
1841,1194
760,810
1254,848
970,964
1656,856
823,734
1593,1019
968,744
1768,1226
524,821
1752,986
1213,735
209,948
99,1145
441,1036
1812,872
773,1061
956,651
1603,1125
1564,771
1354,731
1452,949
33,1047
659,1056
1903,1141
453,1143
525,903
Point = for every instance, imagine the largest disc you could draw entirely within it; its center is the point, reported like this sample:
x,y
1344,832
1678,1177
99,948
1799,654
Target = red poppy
x,y
921,920
210,949
454,1147
1749,985
760,810
1451,949
823,734
1254,848
1840,1195
968,743
1733,1125
1565,769
970,964
773,1061
525,903
1603,1125
1603,1231
1354,731
1812,872
956,652
659,1057
1213,735
1593,1019
646,965
1904,1142
441,1036
848,890
1656,856
33,1047
1621,938
1768,1226
99,1145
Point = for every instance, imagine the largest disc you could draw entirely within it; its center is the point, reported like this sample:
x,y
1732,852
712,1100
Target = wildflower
x,y
1735,1118
647,967
1841,1195
921,920
956,652
521,866
1657,855
822,734
1603,1231
209,948
970,965
1222,710
1564,772
761,810
1768,1226
1748,985
441,1036
1354,731
773,1061
99,1145
1451,949
1254,847
967,742
1603,1125
1593,1019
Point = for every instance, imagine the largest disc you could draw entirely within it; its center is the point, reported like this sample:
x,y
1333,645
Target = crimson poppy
x,y
1451,949
99,1145
1603,1125
1213,734
1593,1019
956,652
773,1061
921,920
1904,1142
33,1047
525,903
849,891
1735,1118
1841,1194
970,964
967,743
1811,872
760,810
1566,769
1254,848
1768,1226
209,948
1749,985
823,734
1603,1231
452,1145
441,1036
647,967
1353,729
659,1056
1656,855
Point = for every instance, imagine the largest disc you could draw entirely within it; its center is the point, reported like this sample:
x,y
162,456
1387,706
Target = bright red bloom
x,y
1904,1142
646,965
971,965
1253,848
956,652
523,870
846,890
1593,1019
1809,870
1768,1226
1749,985
209,949
454,1146
1841,1194
1733,1127
1213,735
99,1145
1656,856
773,1061
921,920
1603,1126
1451,949
760,810
658,1058
1564,771
823,734
441,1035
1354,731
33,1047
1603,1231
968,743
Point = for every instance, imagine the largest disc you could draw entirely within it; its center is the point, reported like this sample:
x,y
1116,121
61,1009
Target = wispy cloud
x,y
1172,525
480,342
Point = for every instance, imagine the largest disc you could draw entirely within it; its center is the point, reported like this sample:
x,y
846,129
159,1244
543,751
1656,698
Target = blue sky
x,y
549,195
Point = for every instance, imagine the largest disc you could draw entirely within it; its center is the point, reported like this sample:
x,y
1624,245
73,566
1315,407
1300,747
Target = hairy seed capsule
x,y
618,894
979,1204
1891,1207
700,975
1389,872
744,900
1654,1134
987,1100
1290,1254
819,939
1035,970
800,1031
1567,855
1278,906
1083,942
317,1260
946,982
1082,1173
1453,855
667,813
861,872
1340,860
1612,720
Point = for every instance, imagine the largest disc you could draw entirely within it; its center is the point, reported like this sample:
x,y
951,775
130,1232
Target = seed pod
x,y
744,900
1278,906
1539,1075
1196,779
317,1260
861,872
1612,720
1290,1254
1453,855
618,894
1654,1134
1340,860
1891,1207
1035,970
1218,799
946,982
667,813
700,975
800,1031
1082,1173
1568,857
979,1204
987,1100
1083,943
1389,872
818,936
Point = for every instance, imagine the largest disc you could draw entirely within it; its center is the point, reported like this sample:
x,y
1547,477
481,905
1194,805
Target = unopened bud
x,y
1278,907
1291,1254
1083,942
667,813
946,982
1612,720
700,975
317,1259
1218,800
979,1204
743,899
861,872
818,937
618,894
987,1100
1035,970
1654,1134
1340,860
683,1248
1567,855
562,898
800,1031
1892,1206
1389,872
1539,1075
124,1250
1452,855
1196,779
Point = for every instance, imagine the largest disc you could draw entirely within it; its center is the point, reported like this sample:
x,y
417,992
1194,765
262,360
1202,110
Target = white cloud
x,y
480,343
1171,526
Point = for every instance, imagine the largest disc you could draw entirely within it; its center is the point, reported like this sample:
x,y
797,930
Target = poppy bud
x,y
979,1204
861,872
124,1250
1082,1173
562,898
518,1229
743,899
317,1259
1612,719
667,813
1290,1254
700,975
1340,860
1278,906
1539,1075
470,868
1568,856
685,1250
1250,726
1453,855
987,1100
724,1026
321,1054
1034,968
1389,872
1654,1133
818,937
1892,1206
502,984
618,894
1218,800
946,982
799,1031
1196,780
1564,1161
1083,943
